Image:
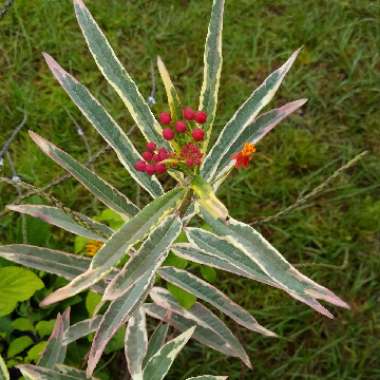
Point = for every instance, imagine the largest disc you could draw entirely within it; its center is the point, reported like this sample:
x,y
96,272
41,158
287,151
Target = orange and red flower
x,y
243,157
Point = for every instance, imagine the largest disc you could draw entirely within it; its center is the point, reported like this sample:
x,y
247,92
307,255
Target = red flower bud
x,y
151,146
165,118
160,168
147,156
180,126
168,134
150,169
200,117
163,154
198,134
140,166
188,113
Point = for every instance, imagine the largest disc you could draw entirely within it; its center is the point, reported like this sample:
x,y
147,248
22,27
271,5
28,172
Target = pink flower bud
x,y
140,166
180,126
198,134
168,134
150,169
165,118
188,113
160,168
151,146
200,117
147,156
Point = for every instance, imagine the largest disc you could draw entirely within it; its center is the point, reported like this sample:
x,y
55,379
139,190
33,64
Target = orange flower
x,y
243,157
92,247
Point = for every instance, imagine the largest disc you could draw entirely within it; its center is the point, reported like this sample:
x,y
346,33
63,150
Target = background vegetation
x,y
335,240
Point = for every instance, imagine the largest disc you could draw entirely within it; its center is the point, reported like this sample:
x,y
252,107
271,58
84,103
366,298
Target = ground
x,y
335,240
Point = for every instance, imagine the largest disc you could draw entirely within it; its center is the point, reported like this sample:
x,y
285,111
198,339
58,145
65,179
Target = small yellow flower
x,y
92,247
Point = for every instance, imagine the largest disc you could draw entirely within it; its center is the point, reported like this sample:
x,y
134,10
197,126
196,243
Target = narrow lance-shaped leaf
x,y
58,217
202,290
271,262
73,372
244,116
255,131
213,60
48,260
148,259
136,343
55,351
105,125
223,250
118,313
171,92
117,76
33,372
81,329
120,242
97,186
159,364
156,341
202,316
4,374
202,334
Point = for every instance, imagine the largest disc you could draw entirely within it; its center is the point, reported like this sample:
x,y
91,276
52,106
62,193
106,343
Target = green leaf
x,y
18,345
186,299
55,350
202,334
207,199
81,329
117,76
159,364
97,186
273,264
117,341
245,115
60,263
202,316
45,328
57,217
118,313
120,242
208,273
80,243
171,93
213,60
92,300
156,341
136,343
22,324
112,218
34,354
148,259
202,290
175,261
4,374
105,125
16,284
254,132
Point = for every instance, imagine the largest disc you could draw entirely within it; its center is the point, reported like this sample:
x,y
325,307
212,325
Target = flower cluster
x,y
185,133
243,157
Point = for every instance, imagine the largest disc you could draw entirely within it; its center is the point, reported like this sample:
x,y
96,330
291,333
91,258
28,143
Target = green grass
x,y
336,239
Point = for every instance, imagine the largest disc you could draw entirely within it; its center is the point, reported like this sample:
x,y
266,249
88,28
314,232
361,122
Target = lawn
x,y
334,238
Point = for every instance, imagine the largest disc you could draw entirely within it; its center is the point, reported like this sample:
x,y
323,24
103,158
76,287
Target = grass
x,y
335,240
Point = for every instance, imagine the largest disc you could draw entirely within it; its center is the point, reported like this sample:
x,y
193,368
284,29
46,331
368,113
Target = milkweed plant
x,y
127,262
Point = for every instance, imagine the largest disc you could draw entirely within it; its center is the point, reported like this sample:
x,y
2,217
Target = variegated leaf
x,y
208,377
55,351
48,260
203,290
202,316
97,186
117,76
81,329
273,264
136,343
73,372
84,226
118,245
223,250
156,341
4,374
171,92
33,372
207,199
159,364
148,259
213,60
203,335
255,131
119,311
245,115
105,125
